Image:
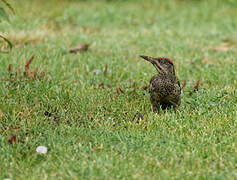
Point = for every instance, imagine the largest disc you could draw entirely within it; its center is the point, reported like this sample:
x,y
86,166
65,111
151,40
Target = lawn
x,y
91,109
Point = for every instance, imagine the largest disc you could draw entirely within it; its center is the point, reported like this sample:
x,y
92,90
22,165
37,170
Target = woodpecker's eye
x,y
162,61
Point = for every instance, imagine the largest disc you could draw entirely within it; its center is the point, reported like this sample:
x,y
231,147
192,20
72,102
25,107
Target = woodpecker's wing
x,y
178,82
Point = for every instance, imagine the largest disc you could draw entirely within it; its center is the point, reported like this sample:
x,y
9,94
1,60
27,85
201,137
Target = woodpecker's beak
x,y
150,59
154,61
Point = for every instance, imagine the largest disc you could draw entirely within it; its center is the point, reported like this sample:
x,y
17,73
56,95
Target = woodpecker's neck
x,y
165,72
167,75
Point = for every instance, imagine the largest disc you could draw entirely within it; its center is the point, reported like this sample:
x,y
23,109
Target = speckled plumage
x,y
164,88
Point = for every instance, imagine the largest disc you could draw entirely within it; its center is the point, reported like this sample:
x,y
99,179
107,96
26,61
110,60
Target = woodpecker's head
x,y
162,64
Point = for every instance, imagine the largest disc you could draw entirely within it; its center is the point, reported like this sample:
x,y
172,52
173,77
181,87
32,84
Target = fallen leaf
x,y
206,60
184,84
9,68
35,73
227,97
196,85
229,42
226,41
94,148
42,74
101,85
145,86
29,62
27,66
106,70
134,90
12,139
119,90
221,48
18,71
79,48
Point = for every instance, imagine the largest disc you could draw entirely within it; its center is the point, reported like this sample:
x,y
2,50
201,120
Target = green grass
x,y
90,131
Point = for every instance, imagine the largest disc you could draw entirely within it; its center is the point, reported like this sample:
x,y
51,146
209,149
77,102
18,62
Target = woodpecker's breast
x,y
162,87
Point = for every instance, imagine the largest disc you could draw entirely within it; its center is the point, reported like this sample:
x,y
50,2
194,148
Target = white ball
x,y
41,149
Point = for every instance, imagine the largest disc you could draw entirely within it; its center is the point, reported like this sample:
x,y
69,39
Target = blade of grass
x,y
7,41
3,14
8,5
